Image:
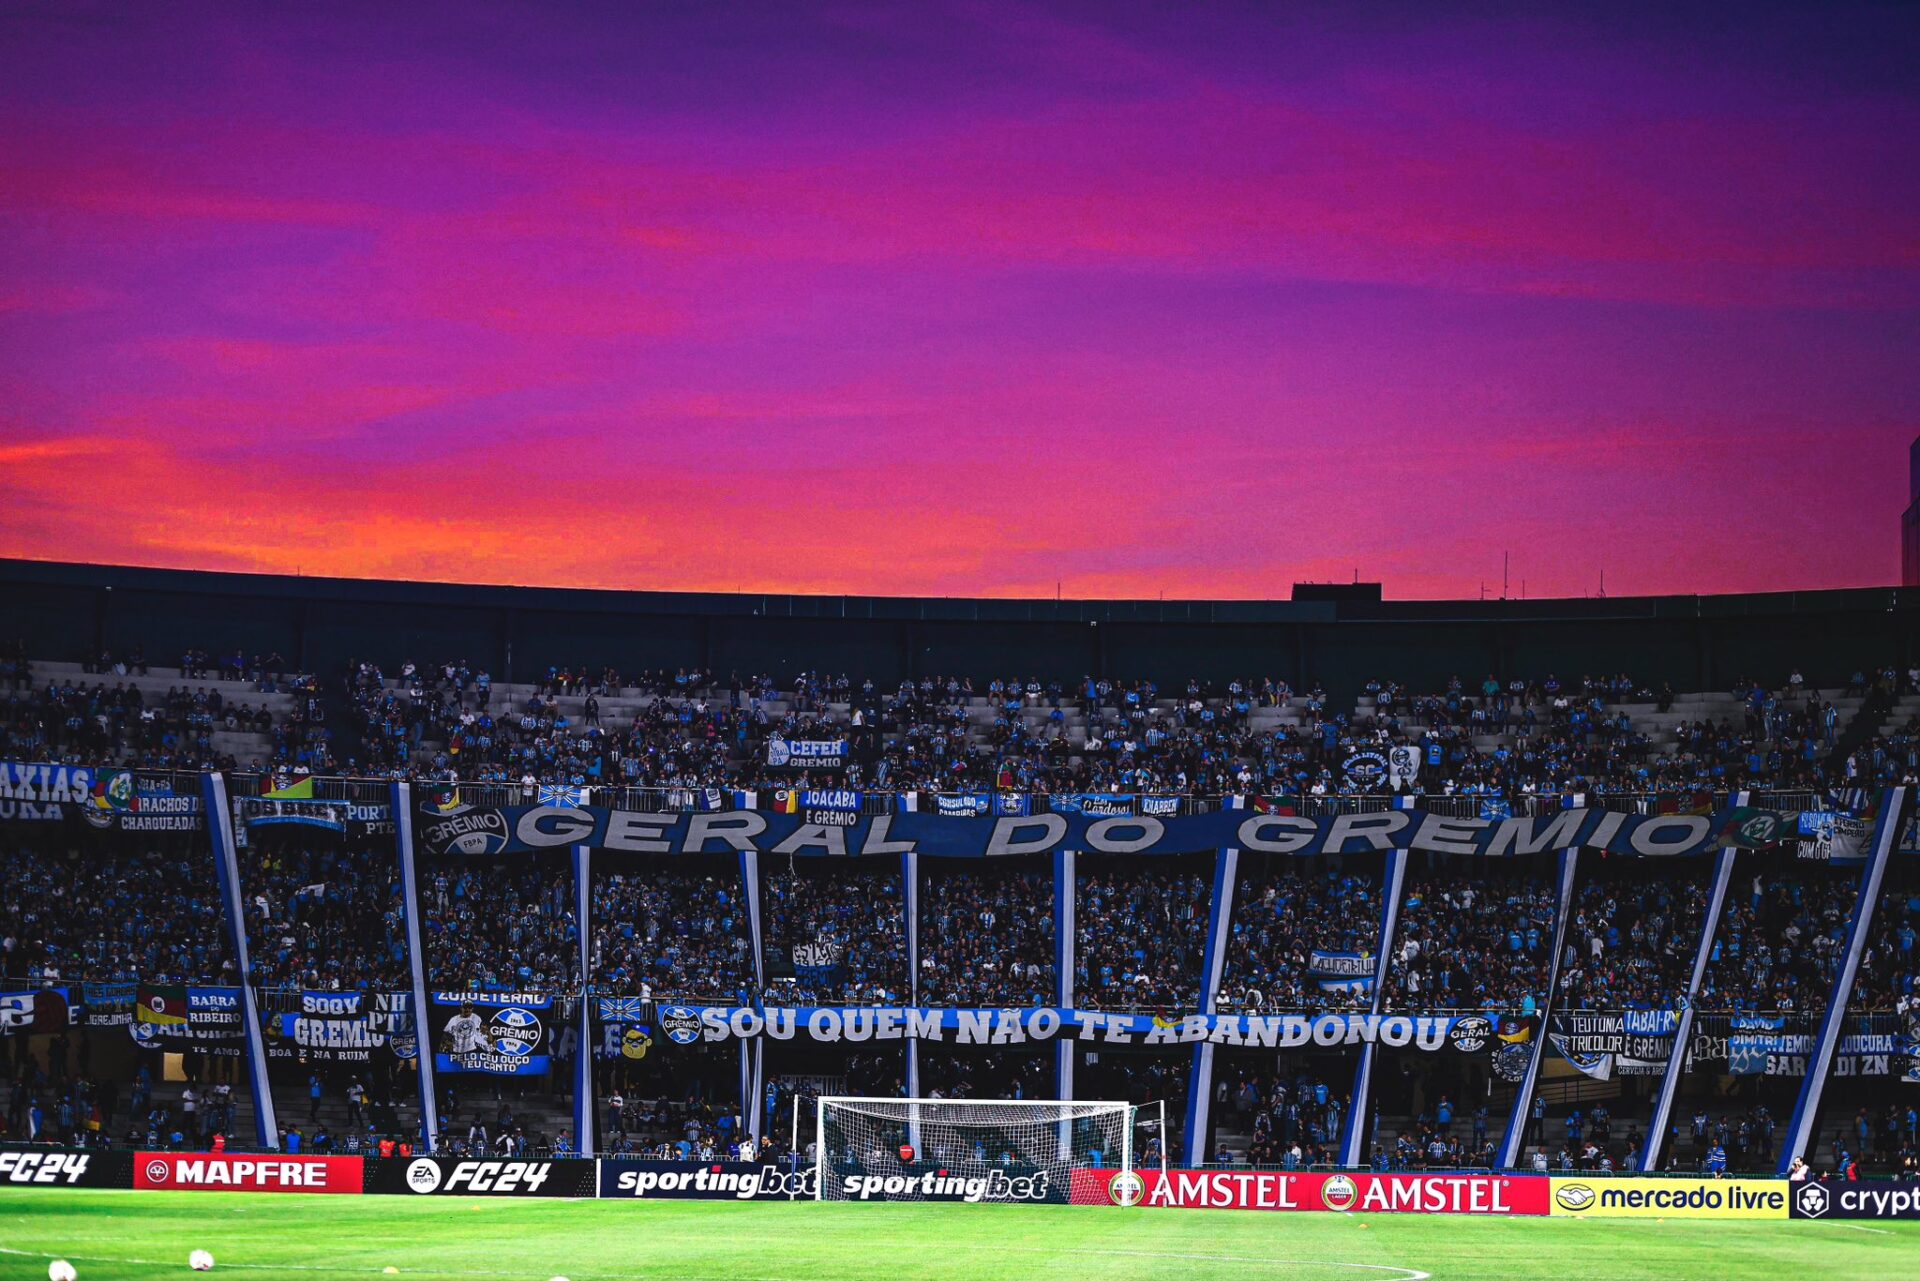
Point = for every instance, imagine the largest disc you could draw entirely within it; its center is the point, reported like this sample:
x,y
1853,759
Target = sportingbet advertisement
x,y
1641,1198
1285,1190
705,1181
1002,1187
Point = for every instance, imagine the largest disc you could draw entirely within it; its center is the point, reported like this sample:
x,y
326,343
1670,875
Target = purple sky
x,y
969,299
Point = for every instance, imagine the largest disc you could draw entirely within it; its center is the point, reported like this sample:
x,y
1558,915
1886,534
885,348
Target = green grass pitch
x,y
110,1236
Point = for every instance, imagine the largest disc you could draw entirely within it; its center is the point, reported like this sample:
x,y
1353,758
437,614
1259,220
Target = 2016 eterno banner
x,y
1284,1190
223,1172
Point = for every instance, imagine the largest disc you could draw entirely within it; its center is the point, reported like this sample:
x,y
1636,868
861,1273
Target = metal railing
x,y
876,801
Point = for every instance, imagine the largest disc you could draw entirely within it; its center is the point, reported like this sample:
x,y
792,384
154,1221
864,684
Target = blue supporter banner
x,y
806,753
1095,804
819,832
961,804
1347,972
692,1024
495,1033
262,812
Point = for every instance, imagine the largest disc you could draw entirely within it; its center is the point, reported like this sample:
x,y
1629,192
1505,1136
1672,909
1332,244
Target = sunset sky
x,y
969,299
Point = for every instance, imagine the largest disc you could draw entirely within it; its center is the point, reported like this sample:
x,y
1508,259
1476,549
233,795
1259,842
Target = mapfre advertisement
x,y
223,1172
1628,1198
1285,1190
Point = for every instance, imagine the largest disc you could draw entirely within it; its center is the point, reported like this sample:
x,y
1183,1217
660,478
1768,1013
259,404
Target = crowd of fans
x,y
1502,739
326,918
988,940
1303,941
1293,1119
1473,944
106,916
1631,942
676,936
499,927
1889,974
1140,939
1779,943
123,724
835,936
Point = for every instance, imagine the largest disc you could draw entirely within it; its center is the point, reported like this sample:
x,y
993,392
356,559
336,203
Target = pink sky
x,y
961,300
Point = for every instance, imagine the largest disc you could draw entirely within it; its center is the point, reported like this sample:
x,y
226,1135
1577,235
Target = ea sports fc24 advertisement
x,y
1288,1190
450,1176
1630,1198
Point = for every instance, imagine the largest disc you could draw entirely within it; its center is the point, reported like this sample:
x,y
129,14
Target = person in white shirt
x,y
464,1033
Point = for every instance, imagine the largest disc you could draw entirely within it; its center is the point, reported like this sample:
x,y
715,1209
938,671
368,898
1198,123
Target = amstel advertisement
x,y
1287,1190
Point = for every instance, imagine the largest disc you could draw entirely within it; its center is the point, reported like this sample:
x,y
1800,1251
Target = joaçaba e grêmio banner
x,y
528,828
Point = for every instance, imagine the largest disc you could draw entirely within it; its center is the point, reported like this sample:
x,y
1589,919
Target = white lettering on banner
x,y
1450,835
1149,832
1299,833
1375,829
634,832
830,840
551,826
997,1185
1006,830
1688,831
743,1185
499,1176
42,1167
877,843
1017,1027
240,1172
736,831
1524,836
45,784
1276,1190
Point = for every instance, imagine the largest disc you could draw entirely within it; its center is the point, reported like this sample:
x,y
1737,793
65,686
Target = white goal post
x,y
871,1149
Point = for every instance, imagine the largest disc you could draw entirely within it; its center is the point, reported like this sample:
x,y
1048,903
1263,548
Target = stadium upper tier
x,y
450,721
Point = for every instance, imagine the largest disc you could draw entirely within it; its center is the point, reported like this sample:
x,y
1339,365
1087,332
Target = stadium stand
x,y
327,913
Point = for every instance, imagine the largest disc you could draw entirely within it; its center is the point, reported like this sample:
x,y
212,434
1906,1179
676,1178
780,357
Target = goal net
x,y
974,1150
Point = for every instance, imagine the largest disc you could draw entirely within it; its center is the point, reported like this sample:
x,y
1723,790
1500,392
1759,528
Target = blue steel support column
x,y
1510,1144
226,864
910,909
1393,883
1226,868
417,962
753,1061
1886,832
1063,963
585,1106
1651,1150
